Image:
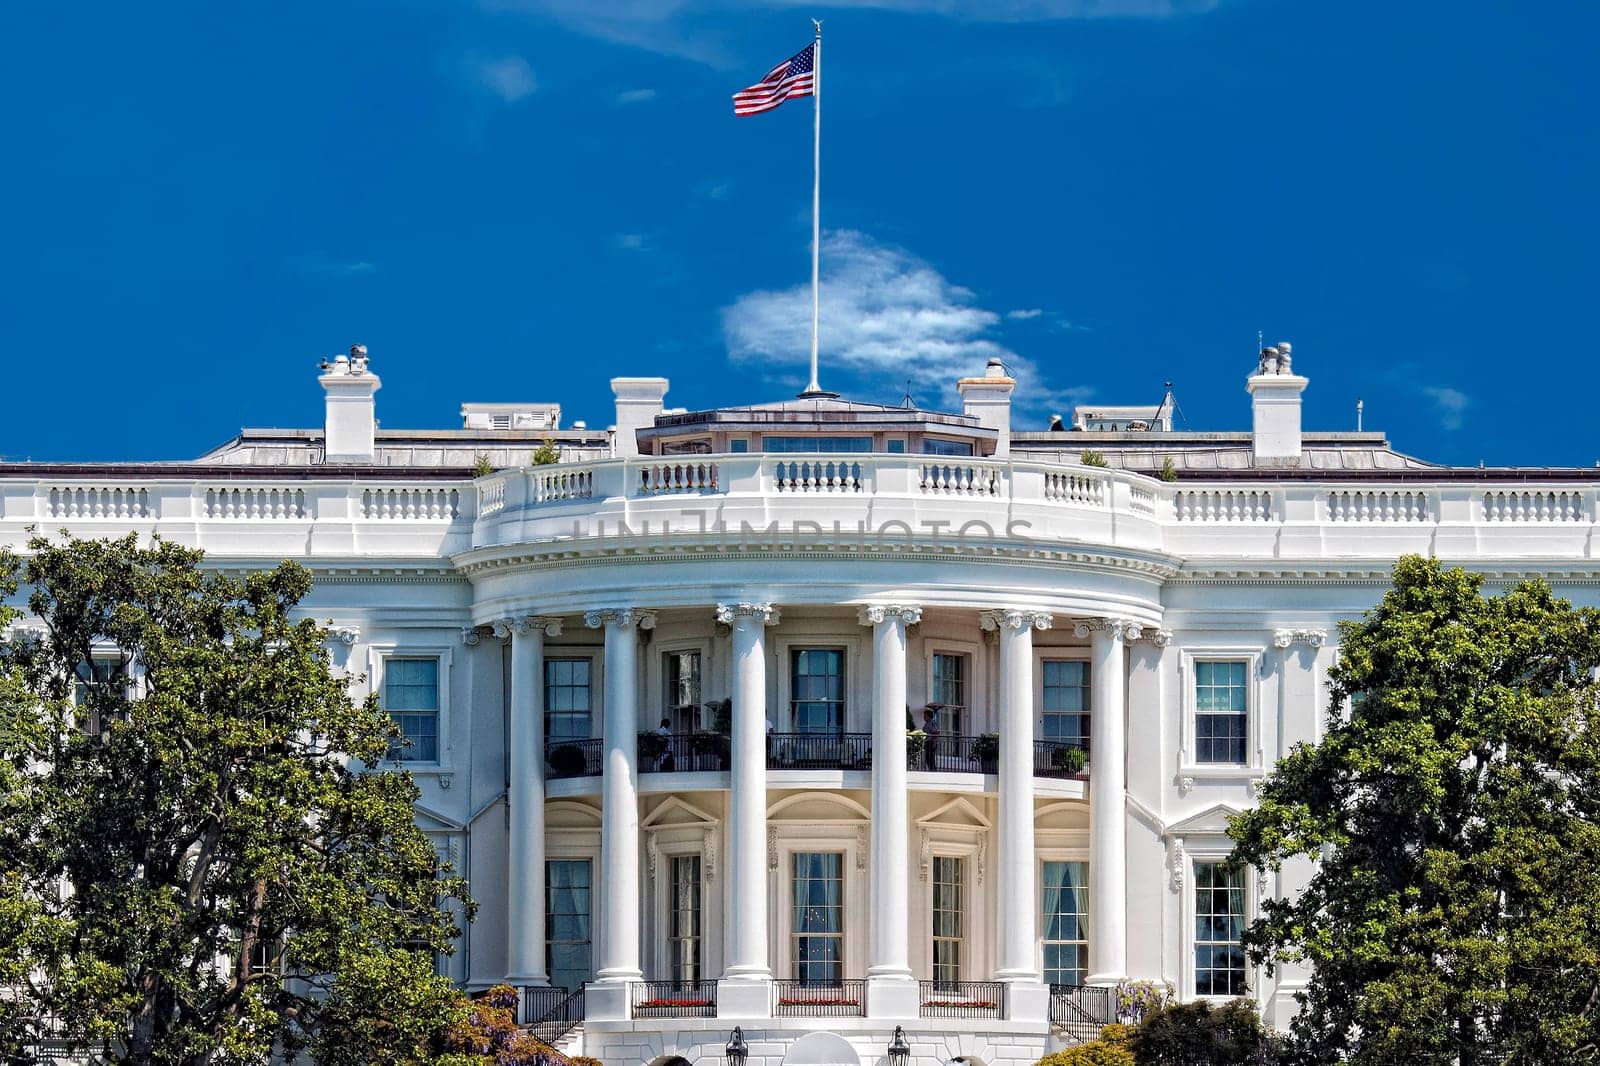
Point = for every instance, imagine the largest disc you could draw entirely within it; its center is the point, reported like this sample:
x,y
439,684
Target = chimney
x,y
1275,408
988,399
349,428
639,401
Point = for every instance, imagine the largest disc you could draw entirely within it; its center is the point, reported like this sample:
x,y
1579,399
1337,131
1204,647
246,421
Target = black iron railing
x,y
811,999
535,1001
49,1041
682,752
952,753
819,751
559,1020
1059,758
573,758
1079,1012
673,999
960,999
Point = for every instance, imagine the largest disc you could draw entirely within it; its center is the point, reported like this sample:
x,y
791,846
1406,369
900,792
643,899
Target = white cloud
x,y
508,77
632,242
886,316
1024,313
662,25
1451,404
636,96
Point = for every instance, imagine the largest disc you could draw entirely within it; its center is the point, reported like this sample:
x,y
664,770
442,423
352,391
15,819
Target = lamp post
x,y
737,1051
899,1050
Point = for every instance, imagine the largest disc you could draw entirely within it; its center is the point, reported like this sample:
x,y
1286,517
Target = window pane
x,y
1219,962
816,444
567,902
567,708
817,924
1066,702
817,690
948,935
1066,922
411,696
1221,712
684,919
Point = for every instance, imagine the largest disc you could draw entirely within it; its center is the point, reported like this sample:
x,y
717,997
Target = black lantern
x,y
899,1050
737,1050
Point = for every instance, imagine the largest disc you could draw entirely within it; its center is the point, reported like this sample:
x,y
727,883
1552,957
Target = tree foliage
x,y
194,862
1454,915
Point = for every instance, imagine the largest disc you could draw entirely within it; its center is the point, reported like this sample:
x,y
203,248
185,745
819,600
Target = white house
x,y
659,694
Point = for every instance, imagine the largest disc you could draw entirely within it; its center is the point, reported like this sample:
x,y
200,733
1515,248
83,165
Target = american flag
x,y
794,77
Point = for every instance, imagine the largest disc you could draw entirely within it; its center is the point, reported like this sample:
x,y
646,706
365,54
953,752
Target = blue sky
x,y
519,199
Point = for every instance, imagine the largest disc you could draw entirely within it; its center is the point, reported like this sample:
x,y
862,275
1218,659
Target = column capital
x,y
1015,618
627,617
470,636
346,635
728,613
873,613
525,624
1159,637
1311,638
1124,629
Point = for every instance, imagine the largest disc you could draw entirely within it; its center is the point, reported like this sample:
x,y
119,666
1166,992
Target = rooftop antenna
x,y
1359,407
906,401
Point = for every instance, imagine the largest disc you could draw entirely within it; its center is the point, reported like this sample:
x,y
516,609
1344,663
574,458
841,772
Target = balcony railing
x,y
573,758
810,999
673,999
1059,758
819,751
1081,1011
953,753
565,1016
682,752
960,999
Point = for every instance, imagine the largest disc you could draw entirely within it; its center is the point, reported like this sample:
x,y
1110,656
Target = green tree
x,y
1454,805
240,884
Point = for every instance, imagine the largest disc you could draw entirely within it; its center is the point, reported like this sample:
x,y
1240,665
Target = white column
x,y
745,989
1019,908
525,964
891,988
1108,815
619,826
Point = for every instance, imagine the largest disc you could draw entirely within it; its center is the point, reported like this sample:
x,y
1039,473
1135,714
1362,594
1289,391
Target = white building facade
x,y
824,719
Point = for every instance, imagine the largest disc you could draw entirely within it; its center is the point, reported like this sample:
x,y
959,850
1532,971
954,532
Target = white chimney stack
x,y
350,427
988,399
1275,408
639,401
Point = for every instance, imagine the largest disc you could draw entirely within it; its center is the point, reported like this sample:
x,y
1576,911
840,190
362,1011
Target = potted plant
x,y
986,748
916,744
567,760
651,746
1070,759
708,743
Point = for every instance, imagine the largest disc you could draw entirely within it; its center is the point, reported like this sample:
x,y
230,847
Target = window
x,y
96,675
817,690
935,446
738,446
816,444
950,692
567,896
683,923
1066,922
683,689
948,928
1221,712
1066,702
567,704
411,696
1218,924
894,446
818,925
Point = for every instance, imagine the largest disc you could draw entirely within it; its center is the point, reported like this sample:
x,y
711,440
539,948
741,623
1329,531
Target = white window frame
x,y
1042,855
855,713
969,877
840,837
979,720
1208,850
1254,766
1064,653
597,705
656,679
378,656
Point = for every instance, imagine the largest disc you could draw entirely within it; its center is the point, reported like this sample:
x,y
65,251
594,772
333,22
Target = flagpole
x,y
815,389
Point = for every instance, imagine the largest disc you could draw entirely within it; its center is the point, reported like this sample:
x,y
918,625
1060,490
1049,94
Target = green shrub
x,y
546,454
1229,1035
1169,471
1071,760
567,759
1094,1053
1090,457
916,743
986,748
481,465
1118,1034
